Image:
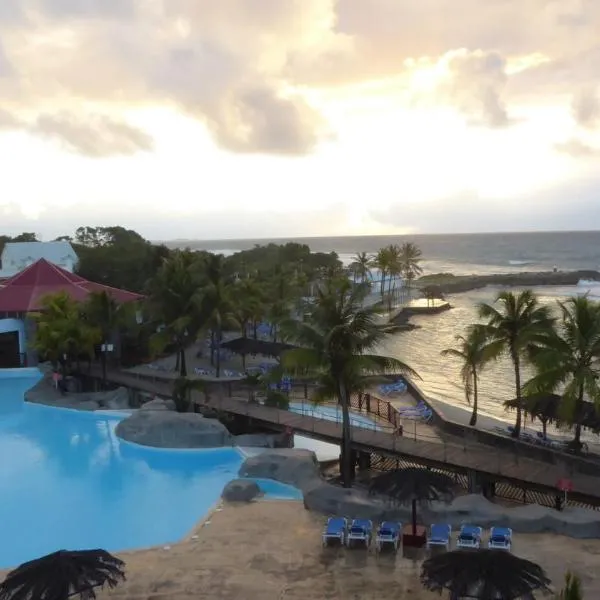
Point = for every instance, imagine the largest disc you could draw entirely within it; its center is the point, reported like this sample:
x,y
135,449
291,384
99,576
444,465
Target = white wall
x,y
7,325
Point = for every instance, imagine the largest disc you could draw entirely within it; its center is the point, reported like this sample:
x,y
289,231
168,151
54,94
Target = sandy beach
x,y
270,550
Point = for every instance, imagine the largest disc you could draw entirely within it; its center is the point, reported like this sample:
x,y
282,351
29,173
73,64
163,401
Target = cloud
x,y
571,206
586,108
577,148
97,136
475,83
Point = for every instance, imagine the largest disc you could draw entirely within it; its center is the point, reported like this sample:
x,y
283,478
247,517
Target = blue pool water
x,y
332,413
66,481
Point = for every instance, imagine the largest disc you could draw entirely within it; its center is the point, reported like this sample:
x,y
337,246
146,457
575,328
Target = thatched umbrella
x,y
413,485
63,574
544,407
484,575
246,346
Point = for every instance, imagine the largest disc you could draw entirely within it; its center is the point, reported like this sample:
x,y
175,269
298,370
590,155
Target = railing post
x,y
368,399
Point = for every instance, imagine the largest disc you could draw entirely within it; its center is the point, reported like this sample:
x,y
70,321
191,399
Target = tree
x,y
182,392
61,335
174,304
336,344
62,575
569,361
517,328
472,352
483,574
410,259
248,303
102,311
360,267
216,304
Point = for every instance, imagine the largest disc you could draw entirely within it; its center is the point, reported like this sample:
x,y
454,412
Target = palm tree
x,y
483,574
382,262
62,575
216,304
174,305
60,334
361,267
182,392
472,352
336,345
247,304
103,312
516,328
569,360
410,259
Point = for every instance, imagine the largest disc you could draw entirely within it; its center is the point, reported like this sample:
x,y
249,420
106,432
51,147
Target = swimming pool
x,y
323,450
332,413
66,481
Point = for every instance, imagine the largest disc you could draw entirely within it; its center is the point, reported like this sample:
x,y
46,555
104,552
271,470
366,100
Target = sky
x,y
271,118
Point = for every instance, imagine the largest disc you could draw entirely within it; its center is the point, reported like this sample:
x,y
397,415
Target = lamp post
x,y
104,349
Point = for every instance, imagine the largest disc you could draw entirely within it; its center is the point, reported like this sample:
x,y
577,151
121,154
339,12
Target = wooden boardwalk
x,y
494,463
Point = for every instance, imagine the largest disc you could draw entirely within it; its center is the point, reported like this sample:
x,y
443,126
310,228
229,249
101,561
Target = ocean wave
x,y
588,283
520,263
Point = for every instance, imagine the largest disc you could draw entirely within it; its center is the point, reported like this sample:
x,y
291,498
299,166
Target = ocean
x,y
462,255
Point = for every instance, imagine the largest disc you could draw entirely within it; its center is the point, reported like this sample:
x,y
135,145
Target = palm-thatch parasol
x,y
63,574
484,575
413,485
245,346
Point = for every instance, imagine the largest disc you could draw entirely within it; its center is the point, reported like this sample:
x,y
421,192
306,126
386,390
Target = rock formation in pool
x,y
241,490
168,429
300,469
44,392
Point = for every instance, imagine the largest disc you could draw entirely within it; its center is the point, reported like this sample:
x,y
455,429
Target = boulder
x,y
45,392
241,490
158,404
167,429
299,468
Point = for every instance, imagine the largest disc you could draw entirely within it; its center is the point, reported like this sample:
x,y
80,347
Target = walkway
x,y
469,456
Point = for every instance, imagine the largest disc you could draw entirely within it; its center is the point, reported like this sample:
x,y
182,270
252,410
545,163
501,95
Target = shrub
x,y
277,399
572,589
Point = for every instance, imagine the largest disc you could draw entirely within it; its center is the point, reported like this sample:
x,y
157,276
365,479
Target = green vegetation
x,y
471,352
336,347
563,353
572,589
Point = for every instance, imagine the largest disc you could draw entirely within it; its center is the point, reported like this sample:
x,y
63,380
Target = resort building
x,y
17,256
23,293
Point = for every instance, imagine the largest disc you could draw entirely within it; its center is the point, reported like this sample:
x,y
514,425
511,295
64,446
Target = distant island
x,y
447,283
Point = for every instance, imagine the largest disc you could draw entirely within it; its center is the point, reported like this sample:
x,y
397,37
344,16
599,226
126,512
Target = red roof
x,y
24,291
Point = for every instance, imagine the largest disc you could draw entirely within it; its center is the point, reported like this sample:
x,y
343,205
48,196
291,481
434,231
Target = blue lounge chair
x,y
469,536
389,532
500,538
335,530
439,535
361,530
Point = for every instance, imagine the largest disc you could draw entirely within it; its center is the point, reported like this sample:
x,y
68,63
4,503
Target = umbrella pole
x,y
414,517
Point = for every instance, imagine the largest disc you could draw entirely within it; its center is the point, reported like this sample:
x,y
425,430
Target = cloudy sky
x,y
250,118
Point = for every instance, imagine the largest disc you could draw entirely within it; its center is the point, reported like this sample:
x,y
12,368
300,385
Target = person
x,y
558,502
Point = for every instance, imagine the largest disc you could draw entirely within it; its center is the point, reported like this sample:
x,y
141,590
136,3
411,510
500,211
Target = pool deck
x,y
270,550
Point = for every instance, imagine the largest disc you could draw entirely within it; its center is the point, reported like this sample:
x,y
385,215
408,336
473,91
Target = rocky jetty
x,y
454,284
44,392
300,469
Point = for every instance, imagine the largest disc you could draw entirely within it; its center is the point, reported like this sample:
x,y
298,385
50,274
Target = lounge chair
x,y
389,532
361,530
335,530
469,536
439,535
500,538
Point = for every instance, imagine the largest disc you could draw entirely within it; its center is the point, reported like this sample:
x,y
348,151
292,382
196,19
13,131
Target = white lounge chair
x,y
389,532
439,535
335,530
500,538
361,530
469,536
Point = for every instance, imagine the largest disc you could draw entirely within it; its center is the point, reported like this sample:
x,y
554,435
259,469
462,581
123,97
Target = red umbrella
x,y
565,485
